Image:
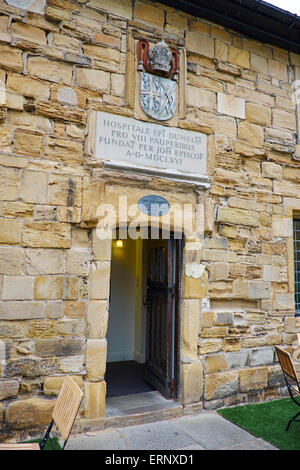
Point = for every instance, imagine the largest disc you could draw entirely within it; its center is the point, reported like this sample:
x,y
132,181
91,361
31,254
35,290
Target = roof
x,y
256,19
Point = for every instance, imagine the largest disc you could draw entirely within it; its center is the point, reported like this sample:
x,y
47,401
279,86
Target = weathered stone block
x,y
9,181
78,262
284,120
123,8
97,319
52,385
64,190
277,70
239,57
64,150
93,79
105,54
149,14
258,114
94,399
46,235
71,364
100,279
74,309
8,389
45,261
236,359
31,367
28,121
5,141
220,385
223,319
18,210
284,302
29,413
53,110
199,44
192,378
23,310
28,32
219,271
262,356
11,58
282,226
258,63
41,328
71,289
231,105
214,332
195,288
101,248
203,99
215,363
251,134
238,216
70,327
54,310
27,86
95,359
259,290
274,273
190,324
92,198
17,288
34,186
10,231
48,287
15,329
253,379
50,70
272,170
30,385
59,347
211,345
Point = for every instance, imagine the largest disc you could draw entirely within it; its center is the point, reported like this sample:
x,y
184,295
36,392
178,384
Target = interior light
x,y
119,243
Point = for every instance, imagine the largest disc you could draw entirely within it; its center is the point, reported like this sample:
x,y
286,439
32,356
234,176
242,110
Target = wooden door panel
x,y
160,298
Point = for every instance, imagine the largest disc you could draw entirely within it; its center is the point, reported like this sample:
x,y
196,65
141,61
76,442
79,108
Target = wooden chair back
x,y
66,406
286,363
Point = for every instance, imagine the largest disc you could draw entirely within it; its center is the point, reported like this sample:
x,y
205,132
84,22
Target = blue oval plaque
x,y
154,205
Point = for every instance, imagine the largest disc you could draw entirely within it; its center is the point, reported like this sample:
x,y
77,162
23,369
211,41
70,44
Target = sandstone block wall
x,y
59,62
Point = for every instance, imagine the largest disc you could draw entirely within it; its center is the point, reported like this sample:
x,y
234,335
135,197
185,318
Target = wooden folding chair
x,y
63,415
290,377
65,411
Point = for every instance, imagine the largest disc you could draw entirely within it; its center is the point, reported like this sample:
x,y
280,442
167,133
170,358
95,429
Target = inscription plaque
x,y
149,145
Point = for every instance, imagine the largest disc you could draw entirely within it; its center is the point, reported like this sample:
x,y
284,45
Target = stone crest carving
x,y
159,73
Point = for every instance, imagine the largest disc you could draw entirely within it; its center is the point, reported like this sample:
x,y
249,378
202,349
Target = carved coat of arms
x,y
158,82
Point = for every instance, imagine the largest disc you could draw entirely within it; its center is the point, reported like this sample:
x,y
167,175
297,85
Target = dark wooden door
x,y
161,303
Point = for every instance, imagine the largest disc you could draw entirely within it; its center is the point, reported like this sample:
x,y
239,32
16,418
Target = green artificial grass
x,y
268,421
48,445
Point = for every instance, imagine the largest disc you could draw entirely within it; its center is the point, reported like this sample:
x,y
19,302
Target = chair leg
x,y
47,436
291,420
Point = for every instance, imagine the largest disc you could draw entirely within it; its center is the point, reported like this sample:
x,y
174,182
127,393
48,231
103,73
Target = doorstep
x,y
139,408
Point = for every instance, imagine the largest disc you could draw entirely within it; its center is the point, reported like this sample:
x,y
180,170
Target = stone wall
x,y
60,61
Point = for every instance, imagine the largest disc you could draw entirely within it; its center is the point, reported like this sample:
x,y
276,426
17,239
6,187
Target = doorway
x,y
143,328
